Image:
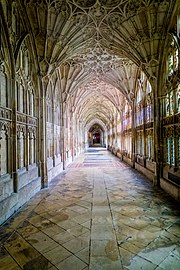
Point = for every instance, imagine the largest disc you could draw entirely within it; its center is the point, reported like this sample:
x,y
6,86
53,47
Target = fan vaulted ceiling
x,y
98,46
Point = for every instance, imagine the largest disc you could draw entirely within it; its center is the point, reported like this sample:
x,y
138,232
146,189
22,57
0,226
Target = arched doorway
x,y
97,137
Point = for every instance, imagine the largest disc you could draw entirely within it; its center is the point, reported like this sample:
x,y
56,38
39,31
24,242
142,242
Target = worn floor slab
x,y
99,214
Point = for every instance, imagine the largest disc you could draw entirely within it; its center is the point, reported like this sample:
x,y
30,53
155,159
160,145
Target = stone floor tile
x,y
62,238
80,219
126,256
41,242
171,262
102,232
77,244
79,209
138,263
7,262
23,253
94,210
39,263
59,217
157,255
71,263
106,248
175,229
52,230
104,263
26,229
78,230
52,268
68,224
87,224
84,255
57,255
131,247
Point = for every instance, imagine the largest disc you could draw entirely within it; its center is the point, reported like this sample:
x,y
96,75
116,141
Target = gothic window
x,y
169,150
171,103
138,144
3,153
31,103
21,150
139,95
141,116
172,152
148,113
173,58
149,87
149,146
178,99
21,98
56,108
3,89
170,64
167,105
26,63
49,108
31,148
142,144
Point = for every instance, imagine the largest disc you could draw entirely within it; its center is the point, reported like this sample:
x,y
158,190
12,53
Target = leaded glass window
x,y
169,150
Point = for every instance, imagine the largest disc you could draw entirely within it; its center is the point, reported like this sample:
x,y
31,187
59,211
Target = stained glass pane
x,y
167,105
149,146
172,152
170,64
171,103
176,59
168,151
178,99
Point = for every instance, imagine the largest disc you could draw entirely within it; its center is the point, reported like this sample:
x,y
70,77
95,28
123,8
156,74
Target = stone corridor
x,y
98,214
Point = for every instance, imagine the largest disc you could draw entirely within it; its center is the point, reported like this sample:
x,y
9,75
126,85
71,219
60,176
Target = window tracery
x,y
3,150
173,59
3,87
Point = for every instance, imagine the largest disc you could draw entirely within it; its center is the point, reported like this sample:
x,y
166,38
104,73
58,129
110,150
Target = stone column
x,y
14,134
42,133
156,137
133,128
62,144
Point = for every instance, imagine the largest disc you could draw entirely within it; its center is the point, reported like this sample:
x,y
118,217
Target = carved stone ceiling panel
x,y
124,28
98,45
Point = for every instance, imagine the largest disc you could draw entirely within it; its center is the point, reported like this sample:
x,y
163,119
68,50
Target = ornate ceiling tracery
x,y
97,47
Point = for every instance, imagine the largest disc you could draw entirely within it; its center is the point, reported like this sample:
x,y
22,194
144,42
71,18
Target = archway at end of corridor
x,y
96,136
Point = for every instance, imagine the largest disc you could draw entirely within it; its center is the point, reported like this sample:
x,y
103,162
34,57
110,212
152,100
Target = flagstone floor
x,y
97,215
